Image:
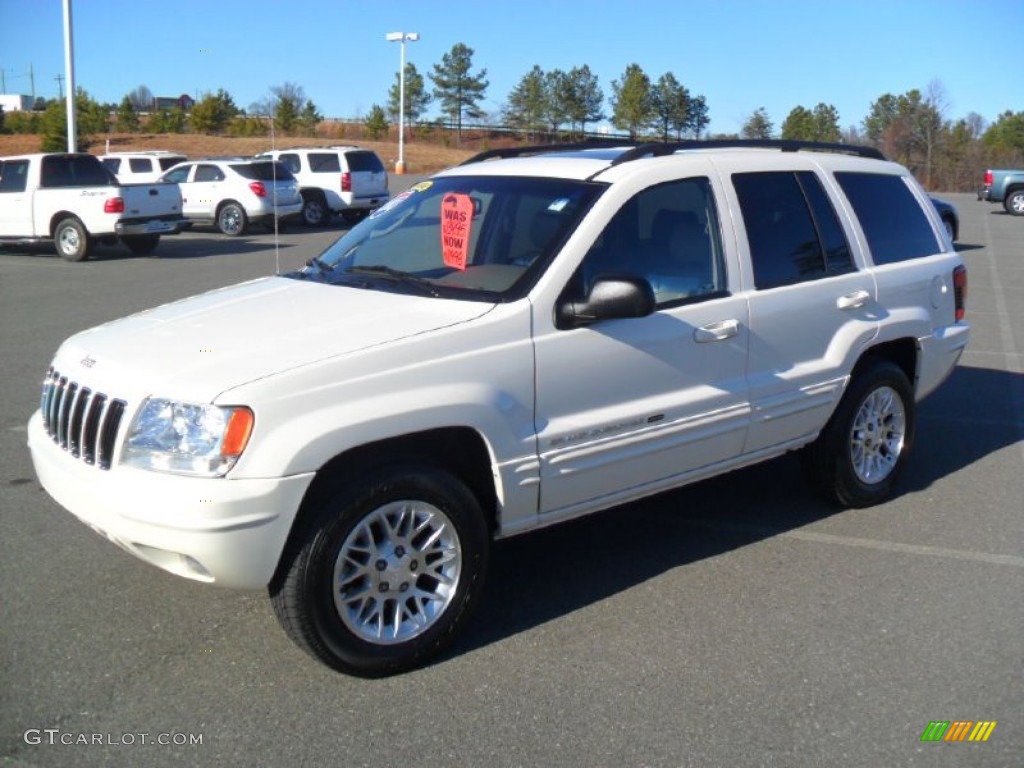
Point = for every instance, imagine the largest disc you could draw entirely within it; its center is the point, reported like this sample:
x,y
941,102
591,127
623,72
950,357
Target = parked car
x,y
234,193
1006,187
532,336
350,181
73,201
140,167
950,217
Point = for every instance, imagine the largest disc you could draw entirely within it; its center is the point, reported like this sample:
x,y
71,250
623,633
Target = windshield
x,y
468,237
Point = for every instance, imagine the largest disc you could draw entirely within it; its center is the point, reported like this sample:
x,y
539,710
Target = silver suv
x,y
350,181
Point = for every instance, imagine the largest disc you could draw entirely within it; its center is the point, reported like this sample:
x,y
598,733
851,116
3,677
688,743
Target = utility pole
x,y
60,86
32,82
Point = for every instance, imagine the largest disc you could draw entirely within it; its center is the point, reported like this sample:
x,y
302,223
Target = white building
x,y
13,102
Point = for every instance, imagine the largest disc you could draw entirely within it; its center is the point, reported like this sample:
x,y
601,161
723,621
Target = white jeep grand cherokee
x,y
531,336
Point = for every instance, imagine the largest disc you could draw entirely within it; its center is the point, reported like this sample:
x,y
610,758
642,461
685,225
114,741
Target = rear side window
x,y
74,171
892,219
113,164
291,162
13,175
140,164
169,162
209,173
364,161
264,171
792,229
324,162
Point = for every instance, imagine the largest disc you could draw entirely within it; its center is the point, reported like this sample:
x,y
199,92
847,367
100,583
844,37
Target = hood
x,y
198,347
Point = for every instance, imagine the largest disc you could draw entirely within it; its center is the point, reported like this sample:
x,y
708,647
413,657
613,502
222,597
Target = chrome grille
x,y
82,422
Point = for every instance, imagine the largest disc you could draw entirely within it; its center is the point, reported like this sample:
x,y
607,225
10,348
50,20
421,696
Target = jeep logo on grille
x,y
88,362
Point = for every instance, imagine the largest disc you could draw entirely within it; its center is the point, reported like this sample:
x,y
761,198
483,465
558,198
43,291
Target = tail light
x,y
988,178
960,291
258,188
346,182
113,205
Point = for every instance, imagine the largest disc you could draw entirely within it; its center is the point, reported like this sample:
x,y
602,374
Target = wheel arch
x,y
459,450
225,202
60,216
901,352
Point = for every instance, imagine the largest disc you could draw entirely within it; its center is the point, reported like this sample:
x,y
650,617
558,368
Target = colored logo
x,y
958,730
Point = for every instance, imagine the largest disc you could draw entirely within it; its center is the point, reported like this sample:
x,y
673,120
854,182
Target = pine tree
x,y
631,104
459,92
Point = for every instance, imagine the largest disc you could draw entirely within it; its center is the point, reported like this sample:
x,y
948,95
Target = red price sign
x,y
456,221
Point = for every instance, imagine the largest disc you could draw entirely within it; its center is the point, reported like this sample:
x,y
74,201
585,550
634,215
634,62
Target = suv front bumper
x,y
217,530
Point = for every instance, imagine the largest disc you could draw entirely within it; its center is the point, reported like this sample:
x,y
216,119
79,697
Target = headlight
x,y
188,438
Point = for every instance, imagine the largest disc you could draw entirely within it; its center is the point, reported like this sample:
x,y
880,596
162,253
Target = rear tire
x,y
71,240
315,212
231,219
385,573
142,245
860,452
1014,203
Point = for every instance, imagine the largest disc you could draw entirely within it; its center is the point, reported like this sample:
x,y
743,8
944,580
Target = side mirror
x,y
612,297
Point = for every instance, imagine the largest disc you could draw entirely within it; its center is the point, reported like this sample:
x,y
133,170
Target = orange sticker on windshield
x,y
456,220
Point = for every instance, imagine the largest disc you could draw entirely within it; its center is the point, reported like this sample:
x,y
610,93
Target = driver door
x,y
626,407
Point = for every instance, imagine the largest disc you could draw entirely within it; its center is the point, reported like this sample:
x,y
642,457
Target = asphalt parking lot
x,y
738,622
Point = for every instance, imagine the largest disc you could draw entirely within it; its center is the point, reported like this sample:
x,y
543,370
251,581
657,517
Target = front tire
x,y
231,219
1014,203
385,573
860,452
71,240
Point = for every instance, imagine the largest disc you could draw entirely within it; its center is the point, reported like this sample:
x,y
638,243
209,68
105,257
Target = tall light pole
x,y
69,71
401,37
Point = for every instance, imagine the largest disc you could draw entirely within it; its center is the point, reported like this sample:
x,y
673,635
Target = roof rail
x,y
659,149
505,152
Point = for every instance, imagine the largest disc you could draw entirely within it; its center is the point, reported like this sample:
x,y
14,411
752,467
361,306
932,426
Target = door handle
x,y
854,300
719,331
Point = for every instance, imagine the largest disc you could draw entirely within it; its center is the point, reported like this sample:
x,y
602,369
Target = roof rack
x,y
506,152
659,149
637,150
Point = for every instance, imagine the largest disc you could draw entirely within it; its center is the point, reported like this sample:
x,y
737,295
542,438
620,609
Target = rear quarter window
x,y
364,161
264,171
140,164
895,225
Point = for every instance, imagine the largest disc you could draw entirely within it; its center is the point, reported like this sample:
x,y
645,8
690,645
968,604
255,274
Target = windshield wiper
x,y
396,275
317,262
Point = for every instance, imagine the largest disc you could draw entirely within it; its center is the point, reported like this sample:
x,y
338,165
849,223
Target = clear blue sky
x,y
740,54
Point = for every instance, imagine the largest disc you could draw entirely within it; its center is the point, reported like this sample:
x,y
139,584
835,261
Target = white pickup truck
x,y
74,201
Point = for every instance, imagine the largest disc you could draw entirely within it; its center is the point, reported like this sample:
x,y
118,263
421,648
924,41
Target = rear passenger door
x,y
812,308
206,190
